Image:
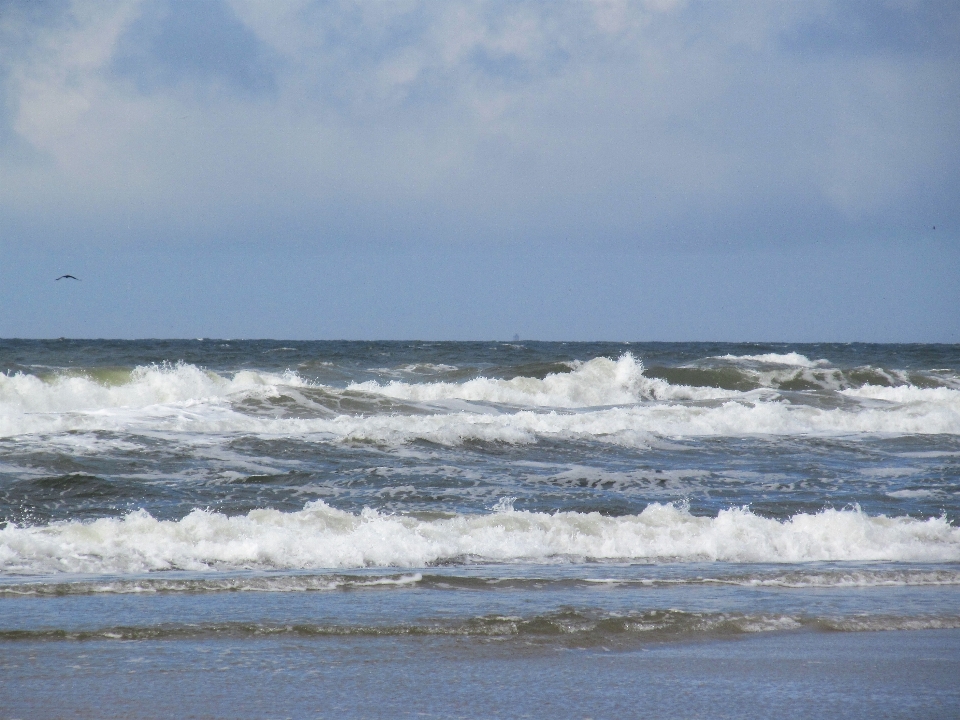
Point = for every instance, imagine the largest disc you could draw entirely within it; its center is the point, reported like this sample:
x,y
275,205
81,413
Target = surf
x,y
320,536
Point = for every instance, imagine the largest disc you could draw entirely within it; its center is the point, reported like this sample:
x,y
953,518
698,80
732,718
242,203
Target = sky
x,y
609,170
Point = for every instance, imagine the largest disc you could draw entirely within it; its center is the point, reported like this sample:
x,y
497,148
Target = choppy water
x,y
556,493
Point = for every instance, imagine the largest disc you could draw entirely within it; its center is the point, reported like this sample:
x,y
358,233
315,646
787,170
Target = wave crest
x,y
320,536
595,383
792,358
603,399
142,387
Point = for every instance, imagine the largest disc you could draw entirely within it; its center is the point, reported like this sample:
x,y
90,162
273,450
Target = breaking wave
x,y
599,382
320,536
792,358
602,399
142,387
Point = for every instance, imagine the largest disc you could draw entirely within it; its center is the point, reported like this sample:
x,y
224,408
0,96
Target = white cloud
x,y
490,119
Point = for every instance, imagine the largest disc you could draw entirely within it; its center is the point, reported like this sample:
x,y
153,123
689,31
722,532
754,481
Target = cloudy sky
x,y
649,170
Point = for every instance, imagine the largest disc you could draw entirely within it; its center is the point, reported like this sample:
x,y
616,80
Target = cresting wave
x,y
322,537
792,358
599,382
603,399
29,404
926,412
142,387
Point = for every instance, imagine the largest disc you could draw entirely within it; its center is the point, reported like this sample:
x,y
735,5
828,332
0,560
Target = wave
x,y
792,358
602,399
598,382
298,582
113,400
323,537
632,426
578,626
797,378
904,394
142,387
260,582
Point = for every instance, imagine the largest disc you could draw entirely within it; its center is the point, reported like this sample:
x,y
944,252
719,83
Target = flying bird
x,y
71,277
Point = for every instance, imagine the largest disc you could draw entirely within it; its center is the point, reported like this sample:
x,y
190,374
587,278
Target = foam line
x,y
792,358
600,381
601,400
320,536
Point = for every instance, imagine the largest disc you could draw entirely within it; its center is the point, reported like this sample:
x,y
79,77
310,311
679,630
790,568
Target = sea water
x,y
221,528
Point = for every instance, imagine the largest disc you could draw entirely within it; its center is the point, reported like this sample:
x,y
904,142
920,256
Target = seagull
x,y
71,277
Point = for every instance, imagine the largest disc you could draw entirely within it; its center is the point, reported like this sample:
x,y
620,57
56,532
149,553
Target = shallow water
x,y
908,674
281,498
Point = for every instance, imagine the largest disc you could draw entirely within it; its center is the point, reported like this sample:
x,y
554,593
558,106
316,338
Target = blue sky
x,y
659,170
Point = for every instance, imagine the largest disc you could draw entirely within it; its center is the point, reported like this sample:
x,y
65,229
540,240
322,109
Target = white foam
x,y
635,425
221,582
417,369
791,358
856,578
147,385
598,382
911,494
31,404
632,426
906,394
322,537
602,400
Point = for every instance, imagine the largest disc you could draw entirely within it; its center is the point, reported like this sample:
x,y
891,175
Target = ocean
x,y
222,528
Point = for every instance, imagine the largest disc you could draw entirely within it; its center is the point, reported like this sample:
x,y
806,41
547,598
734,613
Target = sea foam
x,y
320,536
598,382
31,404
145,386
602,400
792,358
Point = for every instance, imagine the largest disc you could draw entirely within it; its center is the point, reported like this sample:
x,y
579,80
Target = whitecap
x,y
598,382
791,358
320,536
